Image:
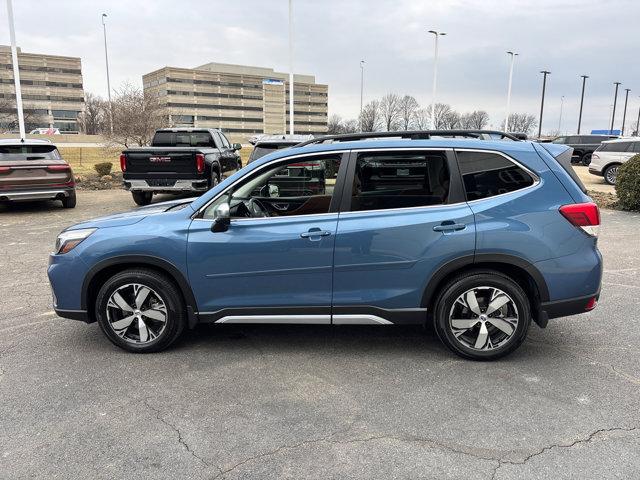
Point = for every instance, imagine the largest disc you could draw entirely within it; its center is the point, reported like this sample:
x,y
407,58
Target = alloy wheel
x,y
136,313
483,318
612,173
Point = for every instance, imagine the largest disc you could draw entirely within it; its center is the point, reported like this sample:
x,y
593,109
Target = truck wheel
x,y
215,179
142,198
586,159
70,201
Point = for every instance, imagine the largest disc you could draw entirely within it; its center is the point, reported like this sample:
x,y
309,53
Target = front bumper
x,y
36,194
191,185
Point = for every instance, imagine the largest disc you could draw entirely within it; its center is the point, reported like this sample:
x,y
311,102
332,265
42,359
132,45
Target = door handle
x,y
449,227
315,232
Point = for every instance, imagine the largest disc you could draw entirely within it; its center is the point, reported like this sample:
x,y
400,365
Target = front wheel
x,y
142,198
482,315
610,174
140,311
586,159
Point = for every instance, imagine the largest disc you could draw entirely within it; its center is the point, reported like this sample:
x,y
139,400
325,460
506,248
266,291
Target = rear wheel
x,y
70,201
610,174
482,315
215,179
142,198
586,159
140,311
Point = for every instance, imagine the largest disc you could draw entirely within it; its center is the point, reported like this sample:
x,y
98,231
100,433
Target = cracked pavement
x,y
231,402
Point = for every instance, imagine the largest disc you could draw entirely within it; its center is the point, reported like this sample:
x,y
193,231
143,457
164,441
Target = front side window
x,y
560,140
385,180
486,174
300,186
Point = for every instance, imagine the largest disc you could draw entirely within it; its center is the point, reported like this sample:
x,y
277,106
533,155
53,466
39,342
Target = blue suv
x,y
477,237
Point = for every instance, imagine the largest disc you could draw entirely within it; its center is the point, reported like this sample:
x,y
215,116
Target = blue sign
x,y
605,132
272,81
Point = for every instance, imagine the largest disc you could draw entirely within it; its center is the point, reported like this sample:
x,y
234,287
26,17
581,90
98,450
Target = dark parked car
x,y
35,170
266,144
179,160
583,145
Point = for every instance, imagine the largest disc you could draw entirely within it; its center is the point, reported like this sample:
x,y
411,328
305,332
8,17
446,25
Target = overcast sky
x,y
568,37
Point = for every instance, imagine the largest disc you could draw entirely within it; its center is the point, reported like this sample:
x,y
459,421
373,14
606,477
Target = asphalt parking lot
x,y
311,402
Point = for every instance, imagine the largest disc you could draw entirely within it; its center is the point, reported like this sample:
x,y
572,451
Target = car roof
x,y
624,139
26,141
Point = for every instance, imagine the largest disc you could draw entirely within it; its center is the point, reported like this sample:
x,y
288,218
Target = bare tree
x,y
136,116
408,107
478,119
334,125
421,119
390,111
370,119
95,117
9,116
350,126
441,113
522,122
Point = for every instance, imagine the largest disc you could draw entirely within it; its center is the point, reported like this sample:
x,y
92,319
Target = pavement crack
x,y
548,448
181,439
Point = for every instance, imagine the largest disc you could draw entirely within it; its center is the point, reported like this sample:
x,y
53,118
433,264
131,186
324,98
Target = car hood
x,y
133,216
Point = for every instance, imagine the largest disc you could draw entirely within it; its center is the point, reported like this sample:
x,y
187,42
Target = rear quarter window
x,y
487,174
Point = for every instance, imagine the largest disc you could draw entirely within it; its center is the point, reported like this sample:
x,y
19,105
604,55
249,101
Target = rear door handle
x,y
449,227
315,232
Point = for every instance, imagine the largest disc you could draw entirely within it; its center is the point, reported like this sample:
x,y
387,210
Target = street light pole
x,y
506,120
584,79
544,87
560,119
624,114
361,89
613,113
16,70
106,61
291,67
638,122
435,76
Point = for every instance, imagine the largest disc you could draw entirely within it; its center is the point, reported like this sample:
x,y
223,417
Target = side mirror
x,y
221,218
236,146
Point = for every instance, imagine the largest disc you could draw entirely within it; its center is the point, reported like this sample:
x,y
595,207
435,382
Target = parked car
x,y
478,238
35,170
610,155
266,144
45,131
583,145
178,160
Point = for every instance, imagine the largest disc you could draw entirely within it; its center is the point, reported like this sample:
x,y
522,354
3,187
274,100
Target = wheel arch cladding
x,y
107,268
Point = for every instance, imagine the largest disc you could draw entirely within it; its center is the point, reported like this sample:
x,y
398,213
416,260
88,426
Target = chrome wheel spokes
x,y
136,313
483,318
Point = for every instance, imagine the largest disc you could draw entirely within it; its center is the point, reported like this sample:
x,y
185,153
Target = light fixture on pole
x,y
624,114
435,76
16,70
560,119
544,87
106,61
613,113
506,120
291,67
361,89
584,79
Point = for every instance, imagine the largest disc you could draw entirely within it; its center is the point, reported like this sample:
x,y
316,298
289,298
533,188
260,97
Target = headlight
x,y
69,240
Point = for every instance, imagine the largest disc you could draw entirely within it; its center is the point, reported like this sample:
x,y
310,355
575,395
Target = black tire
x,y
586,159
175,319
610,174
477,279
215,179
142,198
70,201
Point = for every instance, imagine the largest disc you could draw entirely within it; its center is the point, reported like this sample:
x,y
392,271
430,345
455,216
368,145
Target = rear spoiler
x,y
563,155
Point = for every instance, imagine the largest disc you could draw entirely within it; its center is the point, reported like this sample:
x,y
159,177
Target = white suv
x,y
610,155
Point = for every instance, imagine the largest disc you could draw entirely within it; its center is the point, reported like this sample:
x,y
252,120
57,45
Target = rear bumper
x,y
191,185
80,315
594,171
571,306
36,194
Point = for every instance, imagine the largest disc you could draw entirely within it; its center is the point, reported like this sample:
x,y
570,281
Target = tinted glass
x,y
615,147
225,142
560,140
28,152
262,150
636,147
386,180
181,139
487,174
574,140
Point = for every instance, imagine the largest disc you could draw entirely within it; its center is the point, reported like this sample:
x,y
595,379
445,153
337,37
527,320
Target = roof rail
x,y
413,135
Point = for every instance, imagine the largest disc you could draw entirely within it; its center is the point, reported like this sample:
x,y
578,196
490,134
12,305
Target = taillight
x,y
5,169
591,304
123,162
200,162
58,168
583,215
595,155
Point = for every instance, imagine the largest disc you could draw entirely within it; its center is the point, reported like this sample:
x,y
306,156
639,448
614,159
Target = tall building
x,y
240,100
52,93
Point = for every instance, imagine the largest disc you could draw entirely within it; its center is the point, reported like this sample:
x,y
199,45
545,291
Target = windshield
x,y
28,152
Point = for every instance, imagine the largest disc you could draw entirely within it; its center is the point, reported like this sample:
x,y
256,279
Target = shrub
x,y
628,184
103,168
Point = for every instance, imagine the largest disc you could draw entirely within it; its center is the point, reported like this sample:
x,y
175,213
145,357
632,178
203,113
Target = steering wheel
x,y
257,209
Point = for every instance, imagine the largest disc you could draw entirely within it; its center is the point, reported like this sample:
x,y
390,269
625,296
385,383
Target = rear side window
x,y
486,174
615,147
385,180
28,152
